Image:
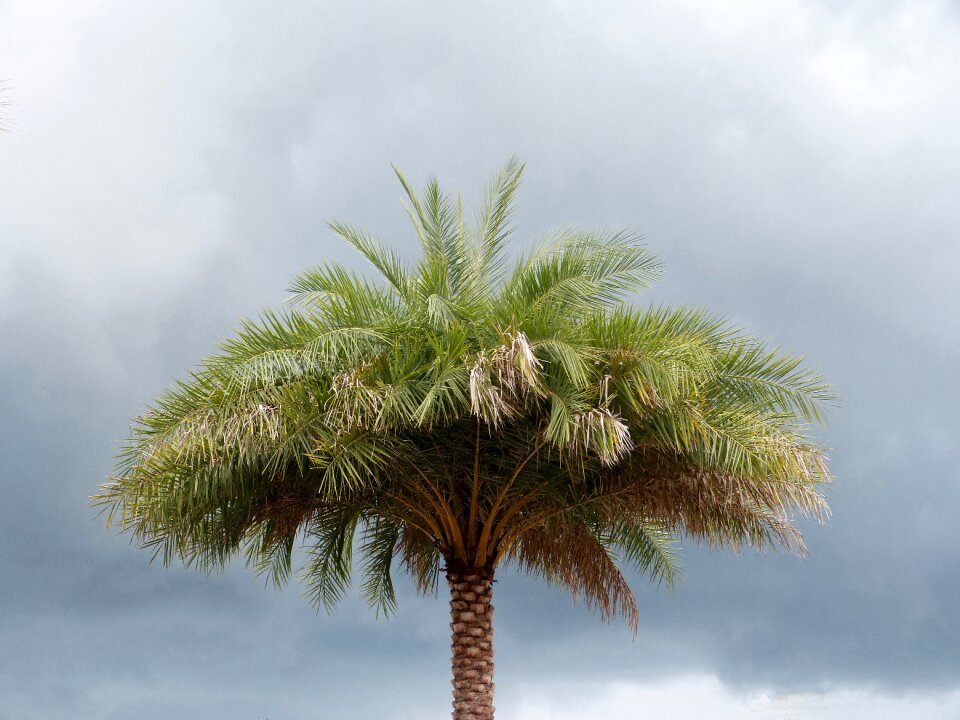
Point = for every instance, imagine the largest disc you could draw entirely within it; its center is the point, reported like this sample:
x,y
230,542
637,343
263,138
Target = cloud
x,y
171,168
691,697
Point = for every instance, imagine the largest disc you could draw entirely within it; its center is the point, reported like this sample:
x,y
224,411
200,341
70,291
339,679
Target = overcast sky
x,y
169,167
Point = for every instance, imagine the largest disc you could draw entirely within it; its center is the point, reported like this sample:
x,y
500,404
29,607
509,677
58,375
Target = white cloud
x,y
872,78
103,178
699,696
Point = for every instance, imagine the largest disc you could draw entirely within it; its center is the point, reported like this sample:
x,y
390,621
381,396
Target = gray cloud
x,y
172,169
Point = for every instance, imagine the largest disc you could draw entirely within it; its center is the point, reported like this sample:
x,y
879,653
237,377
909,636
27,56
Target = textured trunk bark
x,y
472,631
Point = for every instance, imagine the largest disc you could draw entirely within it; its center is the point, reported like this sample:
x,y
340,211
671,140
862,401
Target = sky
x,y
167,168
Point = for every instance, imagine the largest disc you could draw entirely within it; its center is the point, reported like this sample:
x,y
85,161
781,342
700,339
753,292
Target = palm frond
x,y
341,297
750,374
649,548
327,572
577,272
383,259
570,555
494,220
379,540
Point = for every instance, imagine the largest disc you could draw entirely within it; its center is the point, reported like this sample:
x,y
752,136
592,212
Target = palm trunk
x,y
472,631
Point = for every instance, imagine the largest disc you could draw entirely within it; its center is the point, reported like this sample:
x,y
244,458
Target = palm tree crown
x,y
471,412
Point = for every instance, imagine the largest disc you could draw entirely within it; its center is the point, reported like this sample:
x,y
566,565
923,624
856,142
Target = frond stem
x,y
484,542
475,491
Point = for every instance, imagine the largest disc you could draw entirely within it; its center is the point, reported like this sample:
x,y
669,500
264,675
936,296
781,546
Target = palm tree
x,y
470,413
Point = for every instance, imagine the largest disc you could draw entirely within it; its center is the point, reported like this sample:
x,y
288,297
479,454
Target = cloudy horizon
x,y
169,167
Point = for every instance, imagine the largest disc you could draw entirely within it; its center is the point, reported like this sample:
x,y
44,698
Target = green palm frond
x,y
494,224
379,540
647,547
327,573
271,553
750,374
342,298
578,271
383,259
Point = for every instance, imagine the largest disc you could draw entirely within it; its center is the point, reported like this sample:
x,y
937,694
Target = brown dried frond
x,y
568,554
723,509
420,555
289,506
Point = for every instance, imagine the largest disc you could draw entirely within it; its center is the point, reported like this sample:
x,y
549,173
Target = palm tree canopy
x,y
476,410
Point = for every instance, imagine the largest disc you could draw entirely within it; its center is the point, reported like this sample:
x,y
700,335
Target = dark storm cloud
x,y
173,169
